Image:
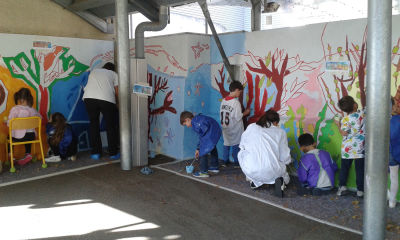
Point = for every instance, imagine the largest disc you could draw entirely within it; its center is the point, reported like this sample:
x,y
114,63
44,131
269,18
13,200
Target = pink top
x,y
20,111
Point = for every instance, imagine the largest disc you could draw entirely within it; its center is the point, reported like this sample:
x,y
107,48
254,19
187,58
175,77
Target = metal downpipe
x,y
149,26
377,117
121,9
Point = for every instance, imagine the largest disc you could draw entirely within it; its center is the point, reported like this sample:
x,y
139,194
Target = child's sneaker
x,y
116,156
392,204
279,186
236,165
72,158
53,159
25,160
213,170
224,164
200,175
253,186
95,156
360,194
341,190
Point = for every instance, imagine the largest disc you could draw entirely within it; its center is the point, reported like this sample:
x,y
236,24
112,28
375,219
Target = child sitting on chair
x,y
316,170
61,139
23,108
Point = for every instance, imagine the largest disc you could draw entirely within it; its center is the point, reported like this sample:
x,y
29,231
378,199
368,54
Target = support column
x,y
378,114
121,11
255,15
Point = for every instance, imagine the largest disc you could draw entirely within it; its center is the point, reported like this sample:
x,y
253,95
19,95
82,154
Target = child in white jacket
x,y
264,153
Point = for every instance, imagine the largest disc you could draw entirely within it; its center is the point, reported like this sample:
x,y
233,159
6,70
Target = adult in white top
x,y
101,96
231,121
264,153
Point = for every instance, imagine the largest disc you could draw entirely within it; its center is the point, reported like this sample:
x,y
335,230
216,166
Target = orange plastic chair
x,y
21,124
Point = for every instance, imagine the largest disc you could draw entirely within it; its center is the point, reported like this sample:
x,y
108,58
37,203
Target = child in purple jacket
x,y
316,170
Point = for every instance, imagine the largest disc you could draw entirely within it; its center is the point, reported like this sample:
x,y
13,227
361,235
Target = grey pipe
x,y
228,66
377,119
121,9
255,15
149,26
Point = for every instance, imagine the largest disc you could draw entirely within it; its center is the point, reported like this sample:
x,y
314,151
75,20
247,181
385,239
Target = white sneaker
x,y
360,194
392,204
72,158
53,159
341,190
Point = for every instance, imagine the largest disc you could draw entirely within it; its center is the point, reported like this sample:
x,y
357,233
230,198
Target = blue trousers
x,y
235,151
344,172
213,162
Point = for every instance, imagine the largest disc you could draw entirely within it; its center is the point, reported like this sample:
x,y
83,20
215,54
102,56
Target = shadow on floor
x,y
346,211
34,169
107,203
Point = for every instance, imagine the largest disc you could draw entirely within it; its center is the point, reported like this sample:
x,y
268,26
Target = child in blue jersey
x,y
394,157
209,133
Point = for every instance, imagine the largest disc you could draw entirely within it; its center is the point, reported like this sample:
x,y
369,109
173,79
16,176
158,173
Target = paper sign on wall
x,y
337,66
142,89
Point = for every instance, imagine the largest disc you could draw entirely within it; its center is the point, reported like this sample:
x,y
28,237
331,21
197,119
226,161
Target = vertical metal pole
x,y
377,120
255,15
121,9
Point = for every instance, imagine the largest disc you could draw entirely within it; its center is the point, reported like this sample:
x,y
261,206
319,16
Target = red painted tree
x,y
357,58
159,85
279,65
259,108
220,85
274,70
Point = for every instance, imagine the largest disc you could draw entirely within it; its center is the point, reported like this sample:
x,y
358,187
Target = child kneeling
x,y
316,170
264,153
61,139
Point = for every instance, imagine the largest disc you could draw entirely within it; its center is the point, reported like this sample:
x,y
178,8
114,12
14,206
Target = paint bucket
x,y
189,169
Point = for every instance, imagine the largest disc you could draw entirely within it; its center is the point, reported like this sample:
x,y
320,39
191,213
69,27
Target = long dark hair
x,y
23,94
268,119
59,123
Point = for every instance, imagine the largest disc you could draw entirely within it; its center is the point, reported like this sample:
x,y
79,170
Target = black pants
x,y
29,136
71,150
344,172
109,110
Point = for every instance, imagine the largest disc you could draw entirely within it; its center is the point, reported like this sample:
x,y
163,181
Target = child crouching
x,y
316,170
61,139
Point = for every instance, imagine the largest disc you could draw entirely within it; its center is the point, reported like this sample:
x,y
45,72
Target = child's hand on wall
x,y
246,112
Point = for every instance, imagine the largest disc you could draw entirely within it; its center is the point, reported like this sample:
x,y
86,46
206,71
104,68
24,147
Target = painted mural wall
x,y
284,69
55,70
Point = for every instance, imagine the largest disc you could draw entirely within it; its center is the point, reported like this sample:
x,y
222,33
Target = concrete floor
x,y
107,203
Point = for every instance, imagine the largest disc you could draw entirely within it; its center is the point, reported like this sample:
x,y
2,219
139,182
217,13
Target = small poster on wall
x,y
337,66
41,45
142,89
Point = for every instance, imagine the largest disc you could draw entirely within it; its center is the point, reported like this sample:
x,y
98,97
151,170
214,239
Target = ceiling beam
x,y
97,22
87,4
145,8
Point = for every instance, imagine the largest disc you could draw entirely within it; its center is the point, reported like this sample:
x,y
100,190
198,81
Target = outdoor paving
x,y
346,211
105,202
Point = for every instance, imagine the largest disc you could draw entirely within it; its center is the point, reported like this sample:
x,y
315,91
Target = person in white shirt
x,y
264,153
101,96
231,121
